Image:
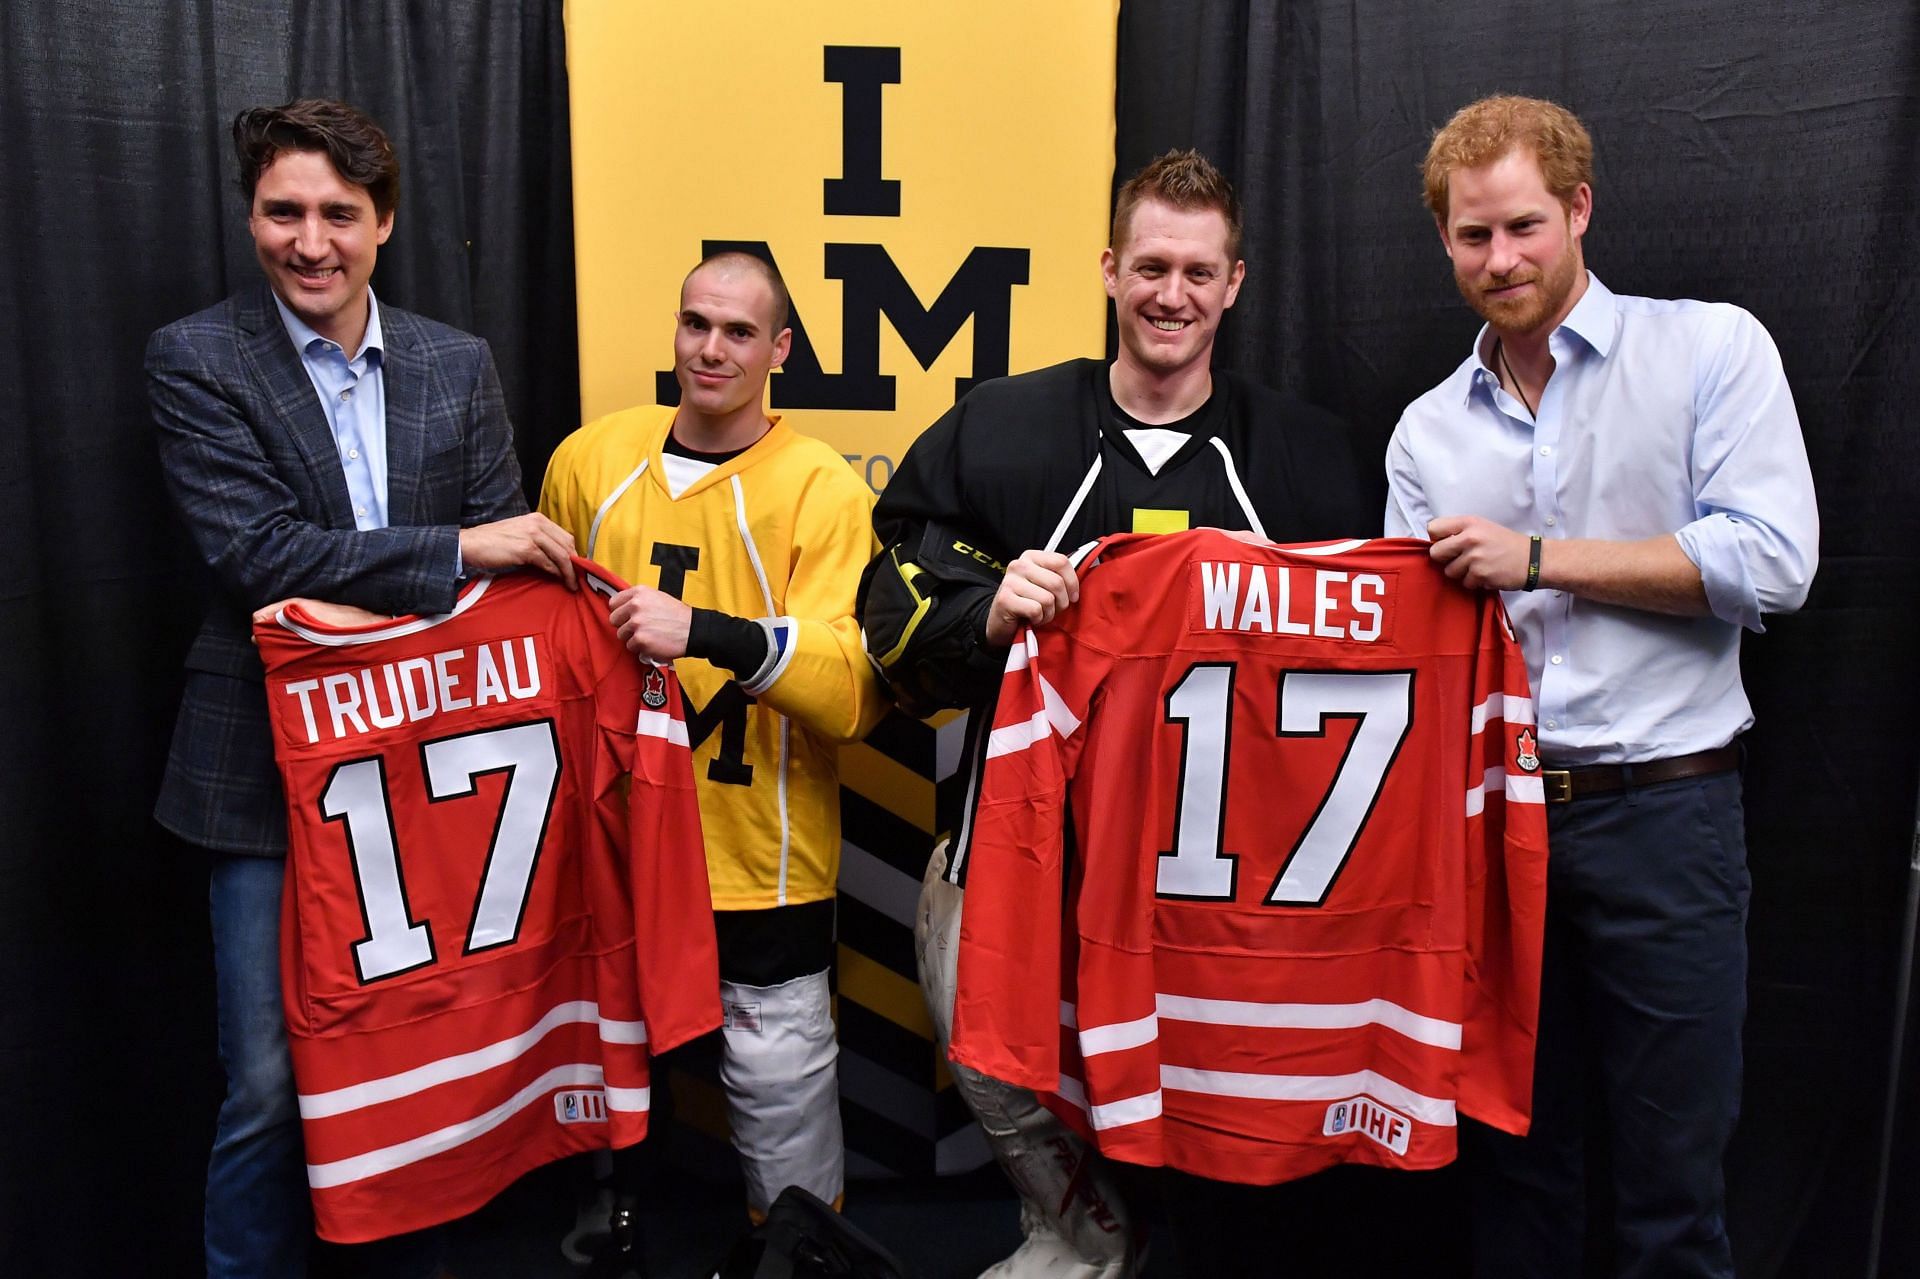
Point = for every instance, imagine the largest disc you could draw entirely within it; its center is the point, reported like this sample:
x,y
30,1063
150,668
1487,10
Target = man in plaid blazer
x,y
317,443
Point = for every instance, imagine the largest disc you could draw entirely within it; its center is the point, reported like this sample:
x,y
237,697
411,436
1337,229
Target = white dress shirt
x,y
1660,417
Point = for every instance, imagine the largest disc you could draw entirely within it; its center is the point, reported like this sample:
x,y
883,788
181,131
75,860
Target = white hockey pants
x,y
777,1065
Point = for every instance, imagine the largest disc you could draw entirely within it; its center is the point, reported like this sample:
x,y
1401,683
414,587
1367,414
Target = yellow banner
x,y
933,182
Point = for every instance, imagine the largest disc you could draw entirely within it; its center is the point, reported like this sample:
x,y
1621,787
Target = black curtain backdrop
x,y
119,213
1761,153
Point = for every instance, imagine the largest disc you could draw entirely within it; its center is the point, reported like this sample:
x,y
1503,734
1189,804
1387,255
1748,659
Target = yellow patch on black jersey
x,y
1148,520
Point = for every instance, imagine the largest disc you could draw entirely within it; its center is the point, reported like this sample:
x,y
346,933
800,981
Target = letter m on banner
x,y
981,291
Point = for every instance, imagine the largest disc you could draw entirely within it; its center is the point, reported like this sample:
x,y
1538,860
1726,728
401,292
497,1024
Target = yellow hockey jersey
x,y
778,534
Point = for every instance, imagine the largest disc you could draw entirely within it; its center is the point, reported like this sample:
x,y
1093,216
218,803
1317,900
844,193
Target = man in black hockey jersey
x,y
975,528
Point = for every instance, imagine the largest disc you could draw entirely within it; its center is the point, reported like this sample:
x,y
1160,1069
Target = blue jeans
x,y
259,1222
258,1216
1643,994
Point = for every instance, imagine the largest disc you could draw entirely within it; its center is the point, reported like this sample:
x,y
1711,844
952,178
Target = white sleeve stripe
x,y
1128,1110
1495,779
1521,788
1489,709
1052,717
631,1100
1011,739
1222,1083
339,1101
1025,647
1079,557
1114,1114
1265,1016
1119,1036
1063,720
661,724
1504,706
622,1032
374,1162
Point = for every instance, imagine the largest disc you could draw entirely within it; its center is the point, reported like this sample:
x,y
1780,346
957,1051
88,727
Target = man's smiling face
x,y
317,236
1170,281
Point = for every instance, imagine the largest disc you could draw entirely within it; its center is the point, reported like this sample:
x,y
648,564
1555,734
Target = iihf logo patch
x,y
1371,1120
1529,761
653,689
580,1106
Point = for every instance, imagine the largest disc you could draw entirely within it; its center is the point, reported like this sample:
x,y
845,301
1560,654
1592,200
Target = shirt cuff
x,y
1714,546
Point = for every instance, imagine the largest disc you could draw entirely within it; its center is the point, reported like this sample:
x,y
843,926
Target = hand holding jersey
x,y
1037,587
652,624
531,540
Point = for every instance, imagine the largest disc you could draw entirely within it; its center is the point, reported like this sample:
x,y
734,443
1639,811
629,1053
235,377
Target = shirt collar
x,y
1592,317
303,337
1592,320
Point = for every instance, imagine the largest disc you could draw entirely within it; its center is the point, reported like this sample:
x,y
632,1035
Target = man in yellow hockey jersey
x,y
745,541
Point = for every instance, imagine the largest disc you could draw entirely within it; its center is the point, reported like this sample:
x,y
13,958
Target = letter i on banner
x,y
934,183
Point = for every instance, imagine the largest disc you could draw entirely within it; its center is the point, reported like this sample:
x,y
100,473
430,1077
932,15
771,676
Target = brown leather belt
x,y
1565,784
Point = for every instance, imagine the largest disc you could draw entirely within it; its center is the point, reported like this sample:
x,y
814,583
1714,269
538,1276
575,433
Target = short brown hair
x,y
741,260
1481,132
1185,180
357,148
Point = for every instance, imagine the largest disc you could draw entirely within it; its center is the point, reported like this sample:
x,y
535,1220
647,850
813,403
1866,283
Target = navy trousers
x,y
1643,994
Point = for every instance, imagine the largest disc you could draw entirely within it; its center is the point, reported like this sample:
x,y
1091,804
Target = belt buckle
x,y
1558,784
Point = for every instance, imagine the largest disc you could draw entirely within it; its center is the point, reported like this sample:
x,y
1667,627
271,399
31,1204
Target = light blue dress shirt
x,y
1660,417
354,396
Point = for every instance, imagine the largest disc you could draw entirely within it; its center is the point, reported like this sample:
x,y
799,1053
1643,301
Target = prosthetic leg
x,y
1076,1224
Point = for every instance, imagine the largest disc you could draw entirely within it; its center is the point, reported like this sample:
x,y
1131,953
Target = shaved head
x,y
734,264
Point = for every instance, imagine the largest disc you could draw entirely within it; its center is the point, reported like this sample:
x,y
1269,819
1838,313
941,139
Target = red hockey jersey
x,y
486,925
1258,869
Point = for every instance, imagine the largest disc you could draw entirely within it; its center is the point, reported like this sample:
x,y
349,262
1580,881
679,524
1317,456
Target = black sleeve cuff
x,y
985,654
739,645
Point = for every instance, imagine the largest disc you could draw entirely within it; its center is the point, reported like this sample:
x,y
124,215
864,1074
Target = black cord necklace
x,y
1500,353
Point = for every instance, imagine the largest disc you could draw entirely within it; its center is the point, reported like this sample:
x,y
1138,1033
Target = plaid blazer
x,y
253,470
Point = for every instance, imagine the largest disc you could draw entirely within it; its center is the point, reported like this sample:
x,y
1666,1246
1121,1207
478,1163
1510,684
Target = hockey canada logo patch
x,y
1370,1119
1527,758
580,1107
653,688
